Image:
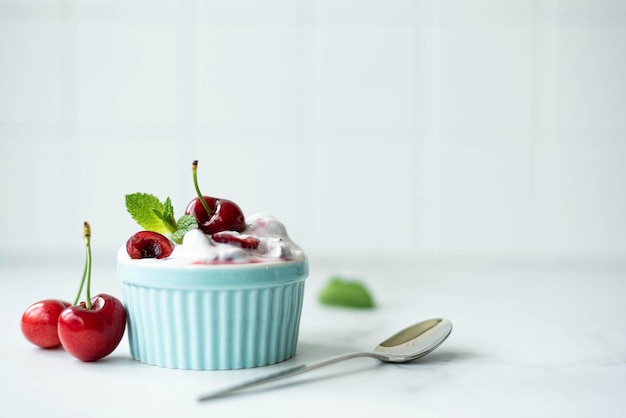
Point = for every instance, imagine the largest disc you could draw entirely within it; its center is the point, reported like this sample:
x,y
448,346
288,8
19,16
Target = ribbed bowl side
x,y
213,329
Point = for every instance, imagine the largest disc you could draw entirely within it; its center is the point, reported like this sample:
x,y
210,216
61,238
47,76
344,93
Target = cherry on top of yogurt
x,y
214,214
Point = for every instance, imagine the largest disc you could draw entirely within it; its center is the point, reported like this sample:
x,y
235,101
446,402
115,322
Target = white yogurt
x,y
199,248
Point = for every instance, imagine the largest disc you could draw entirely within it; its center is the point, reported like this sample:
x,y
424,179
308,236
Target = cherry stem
x,y
87,270
194,172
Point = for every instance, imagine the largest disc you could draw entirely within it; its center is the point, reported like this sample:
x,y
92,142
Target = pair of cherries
x,y
89,330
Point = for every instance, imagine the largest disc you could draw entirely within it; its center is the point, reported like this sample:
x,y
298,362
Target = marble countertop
x,y
533,338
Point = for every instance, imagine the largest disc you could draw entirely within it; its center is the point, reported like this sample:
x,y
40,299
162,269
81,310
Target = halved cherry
x,y
149,244
238,240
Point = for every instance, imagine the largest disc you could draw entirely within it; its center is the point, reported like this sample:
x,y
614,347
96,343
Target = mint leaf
x,y
152,215
346,293
149,212
185,224
168,213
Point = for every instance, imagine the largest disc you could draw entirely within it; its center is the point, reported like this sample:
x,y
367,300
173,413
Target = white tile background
x,y
416,126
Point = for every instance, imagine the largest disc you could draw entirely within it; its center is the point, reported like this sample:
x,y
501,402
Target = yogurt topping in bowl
x,y
264,239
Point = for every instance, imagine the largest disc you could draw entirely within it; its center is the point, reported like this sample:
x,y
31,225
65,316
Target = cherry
x,y
214,214
39,322
242,241
92,329
149,244
90,334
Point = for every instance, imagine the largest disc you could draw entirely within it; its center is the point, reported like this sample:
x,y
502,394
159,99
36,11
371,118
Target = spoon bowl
x,y
406,345
414,342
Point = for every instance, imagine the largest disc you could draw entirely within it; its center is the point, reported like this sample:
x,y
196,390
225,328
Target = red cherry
x,y
94,328
213,214
90,334
225,215
242,241
39,322
149,244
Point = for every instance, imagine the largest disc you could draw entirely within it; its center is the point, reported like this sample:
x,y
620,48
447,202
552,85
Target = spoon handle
x,y
283,374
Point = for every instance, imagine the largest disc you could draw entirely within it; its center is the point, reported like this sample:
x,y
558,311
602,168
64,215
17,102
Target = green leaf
x,y
185,224
157,214
346,293
152,215
168,213
148,211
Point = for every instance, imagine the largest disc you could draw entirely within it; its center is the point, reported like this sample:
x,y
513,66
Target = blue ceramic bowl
x,y
212,316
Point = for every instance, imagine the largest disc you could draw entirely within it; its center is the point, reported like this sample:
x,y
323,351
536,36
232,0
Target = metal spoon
x,y
409,344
